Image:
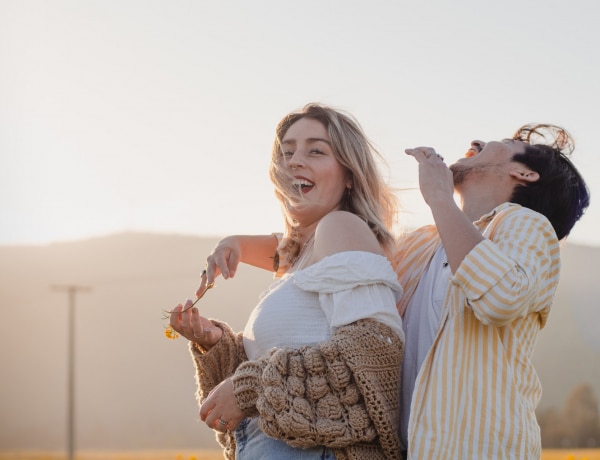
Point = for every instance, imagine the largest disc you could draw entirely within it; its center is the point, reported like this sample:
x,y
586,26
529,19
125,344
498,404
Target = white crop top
x,y
305,306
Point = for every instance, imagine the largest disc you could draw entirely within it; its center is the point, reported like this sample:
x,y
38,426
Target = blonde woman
x,y
315,373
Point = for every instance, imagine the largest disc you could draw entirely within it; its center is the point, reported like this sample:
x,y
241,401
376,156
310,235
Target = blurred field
x,y
548,454
124,455
571,454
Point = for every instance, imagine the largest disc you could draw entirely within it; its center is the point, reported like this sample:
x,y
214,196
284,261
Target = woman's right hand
x,y
223,260
198,329
255,250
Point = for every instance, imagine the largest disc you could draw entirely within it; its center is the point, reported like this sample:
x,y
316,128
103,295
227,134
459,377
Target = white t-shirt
x,y
421,323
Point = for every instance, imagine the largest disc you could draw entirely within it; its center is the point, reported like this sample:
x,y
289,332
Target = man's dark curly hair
x,y
560,194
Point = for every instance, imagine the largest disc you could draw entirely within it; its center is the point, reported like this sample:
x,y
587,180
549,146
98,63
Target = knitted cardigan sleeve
x,y
215,365
339,393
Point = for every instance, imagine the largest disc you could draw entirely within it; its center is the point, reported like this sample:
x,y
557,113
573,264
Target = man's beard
x,y
459,173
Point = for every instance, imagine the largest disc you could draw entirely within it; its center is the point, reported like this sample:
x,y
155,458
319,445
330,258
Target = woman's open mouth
x,y
303,185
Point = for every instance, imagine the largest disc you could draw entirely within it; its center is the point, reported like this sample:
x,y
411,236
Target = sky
x,y
159,116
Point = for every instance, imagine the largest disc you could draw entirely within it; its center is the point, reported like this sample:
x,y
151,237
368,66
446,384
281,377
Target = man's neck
x,y
475,211
479,201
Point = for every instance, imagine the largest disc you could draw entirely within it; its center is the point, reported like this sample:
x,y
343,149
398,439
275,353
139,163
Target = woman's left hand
x,y
219,410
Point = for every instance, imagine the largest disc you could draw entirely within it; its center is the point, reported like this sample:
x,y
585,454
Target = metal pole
x,y
72,291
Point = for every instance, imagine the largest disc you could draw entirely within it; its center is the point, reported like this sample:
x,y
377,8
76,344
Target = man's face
x,y
486,159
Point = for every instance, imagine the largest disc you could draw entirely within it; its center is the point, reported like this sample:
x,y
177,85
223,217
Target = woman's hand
x,y
255,250
223,260
186,320
219,410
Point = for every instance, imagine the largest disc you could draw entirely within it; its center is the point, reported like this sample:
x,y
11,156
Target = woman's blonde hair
x,y
369,198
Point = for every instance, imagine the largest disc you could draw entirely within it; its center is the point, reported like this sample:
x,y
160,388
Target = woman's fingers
x,y
228,265
224,259
188,322
219,410
175,318
204,284
204,331
205,409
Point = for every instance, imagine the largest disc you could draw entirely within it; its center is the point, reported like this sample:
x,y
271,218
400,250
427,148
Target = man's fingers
x,y
424,153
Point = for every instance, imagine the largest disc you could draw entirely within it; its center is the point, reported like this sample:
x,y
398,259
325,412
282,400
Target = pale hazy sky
x,y
159,115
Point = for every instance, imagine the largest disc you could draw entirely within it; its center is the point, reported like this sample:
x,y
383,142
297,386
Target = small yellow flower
x,y
192,457
171,334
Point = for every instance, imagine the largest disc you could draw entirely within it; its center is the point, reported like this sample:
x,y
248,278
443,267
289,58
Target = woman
x,y
315,374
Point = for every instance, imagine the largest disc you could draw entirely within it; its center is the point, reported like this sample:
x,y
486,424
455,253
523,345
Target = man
x,y
478,287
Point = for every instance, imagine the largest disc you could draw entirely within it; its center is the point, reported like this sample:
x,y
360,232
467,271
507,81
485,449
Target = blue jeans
x,y
252,444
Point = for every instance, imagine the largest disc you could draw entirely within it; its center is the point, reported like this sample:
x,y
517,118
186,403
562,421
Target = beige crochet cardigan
x,y
342,393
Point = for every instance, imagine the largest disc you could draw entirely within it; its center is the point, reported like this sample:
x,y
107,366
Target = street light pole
x,y
72,291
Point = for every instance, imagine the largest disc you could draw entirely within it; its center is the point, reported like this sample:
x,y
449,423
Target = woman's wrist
x,y
246,386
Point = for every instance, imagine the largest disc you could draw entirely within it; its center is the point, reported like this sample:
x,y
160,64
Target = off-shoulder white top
x,y
305,306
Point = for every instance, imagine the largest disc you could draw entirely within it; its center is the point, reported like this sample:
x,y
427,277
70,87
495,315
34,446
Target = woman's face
x,y
322,180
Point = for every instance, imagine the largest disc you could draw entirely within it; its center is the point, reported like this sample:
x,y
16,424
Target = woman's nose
x,y
297,160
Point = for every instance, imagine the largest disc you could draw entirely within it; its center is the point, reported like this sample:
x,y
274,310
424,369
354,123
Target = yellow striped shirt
x,y
476,392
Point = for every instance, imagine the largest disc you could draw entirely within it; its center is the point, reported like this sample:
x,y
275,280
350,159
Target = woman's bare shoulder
x,y
341,231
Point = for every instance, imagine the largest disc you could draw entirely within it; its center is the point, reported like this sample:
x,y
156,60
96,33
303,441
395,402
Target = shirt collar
x,y
487,218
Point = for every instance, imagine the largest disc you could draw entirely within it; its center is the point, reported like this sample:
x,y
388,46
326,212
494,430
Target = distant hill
x,y
134,388
568,348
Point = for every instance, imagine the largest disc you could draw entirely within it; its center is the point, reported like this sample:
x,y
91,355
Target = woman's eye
x,y
317,152
287,153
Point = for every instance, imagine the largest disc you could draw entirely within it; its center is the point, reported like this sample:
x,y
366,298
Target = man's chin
x,y
459,173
